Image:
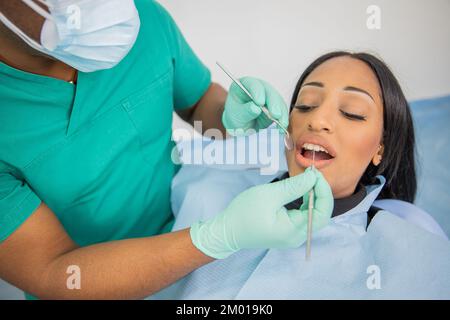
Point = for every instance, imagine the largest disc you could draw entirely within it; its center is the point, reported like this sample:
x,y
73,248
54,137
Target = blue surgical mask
x,y
88,35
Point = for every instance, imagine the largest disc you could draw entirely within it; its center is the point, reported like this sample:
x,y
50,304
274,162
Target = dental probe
x,y
310,217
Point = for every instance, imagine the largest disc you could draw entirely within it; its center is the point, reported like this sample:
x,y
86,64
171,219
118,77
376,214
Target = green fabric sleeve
x,y
191,77
17,203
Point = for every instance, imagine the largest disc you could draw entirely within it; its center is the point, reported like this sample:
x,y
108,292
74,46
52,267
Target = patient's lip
x,y
315,139
318,140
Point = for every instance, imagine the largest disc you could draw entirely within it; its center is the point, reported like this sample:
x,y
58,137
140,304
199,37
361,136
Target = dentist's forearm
x,y
126,269
210,108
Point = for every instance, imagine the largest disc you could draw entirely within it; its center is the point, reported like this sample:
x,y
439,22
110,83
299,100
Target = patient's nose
x,y
321,119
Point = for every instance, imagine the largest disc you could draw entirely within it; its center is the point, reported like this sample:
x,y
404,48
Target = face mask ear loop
x,y
8,23
45,3
38,9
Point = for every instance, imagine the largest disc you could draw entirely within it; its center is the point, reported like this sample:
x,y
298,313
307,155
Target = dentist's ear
x,y
376,160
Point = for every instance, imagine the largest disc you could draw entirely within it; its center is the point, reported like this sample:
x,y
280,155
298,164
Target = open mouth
x,y
309,149
308,152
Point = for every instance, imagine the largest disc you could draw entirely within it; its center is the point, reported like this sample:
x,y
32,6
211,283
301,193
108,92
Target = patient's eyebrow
x,y
347,88
350,88
314,83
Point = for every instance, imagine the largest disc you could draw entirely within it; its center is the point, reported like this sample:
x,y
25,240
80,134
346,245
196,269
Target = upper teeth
x,y
315,147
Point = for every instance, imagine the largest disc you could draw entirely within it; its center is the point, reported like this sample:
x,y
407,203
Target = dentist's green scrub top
x,y
99,153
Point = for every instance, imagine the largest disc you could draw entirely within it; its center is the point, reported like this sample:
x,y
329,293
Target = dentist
x,y
87,91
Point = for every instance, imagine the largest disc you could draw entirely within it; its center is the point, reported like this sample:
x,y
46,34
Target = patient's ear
x,y
376,160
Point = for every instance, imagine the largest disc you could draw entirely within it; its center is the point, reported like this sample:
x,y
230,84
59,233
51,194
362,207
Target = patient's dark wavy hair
x,y
398,164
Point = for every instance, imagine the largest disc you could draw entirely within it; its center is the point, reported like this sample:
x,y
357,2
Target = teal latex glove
x,y
241,113
257,218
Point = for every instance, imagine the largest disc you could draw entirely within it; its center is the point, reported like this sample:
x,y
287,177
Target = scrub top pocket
x,y
150,110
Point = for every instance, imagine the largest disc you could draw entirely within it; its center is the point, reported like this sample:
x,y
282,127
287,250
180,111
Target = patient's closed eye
x,y
352,116
304,107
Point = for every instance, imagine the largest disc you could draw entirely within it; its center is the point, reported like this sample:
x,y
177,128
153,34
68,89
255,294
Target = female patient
x,y
350,109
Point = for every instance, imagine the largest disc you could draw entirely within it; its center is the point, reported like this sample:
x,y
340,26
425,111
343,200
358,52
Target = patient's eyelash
x,y
353,116
305,108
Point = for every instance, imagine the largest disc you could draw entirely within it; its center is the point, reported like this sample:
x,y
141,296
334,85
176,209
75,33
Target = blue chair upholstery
x,y
432,126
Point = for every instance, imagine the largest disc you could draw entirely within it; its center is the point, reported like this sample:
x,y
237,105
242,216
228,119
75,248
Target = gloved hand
x,y
257,218
242,113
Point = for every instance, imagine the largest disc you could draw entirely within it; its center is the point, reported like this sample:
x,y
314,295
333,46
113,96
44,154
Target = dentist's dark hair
x,y
397,164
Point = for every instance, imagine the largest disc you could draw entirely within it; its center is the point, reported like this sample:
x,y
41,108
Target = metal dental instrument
x,y
310,217
287,139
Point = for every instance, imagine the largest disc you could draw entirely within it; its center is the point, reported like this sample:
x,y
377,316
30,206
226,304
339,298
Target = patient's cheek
x,y
363,147
368,149
293,168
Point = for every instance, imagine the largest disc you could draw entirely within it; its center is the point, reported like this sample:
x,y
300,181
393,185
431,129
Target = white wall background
x,y
276,40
